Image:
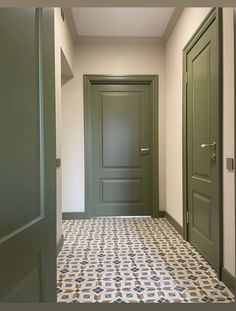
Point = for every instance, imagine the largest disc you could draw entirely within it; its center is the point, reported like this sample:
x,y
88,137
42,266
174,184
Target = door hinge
x,y
186,77
187,217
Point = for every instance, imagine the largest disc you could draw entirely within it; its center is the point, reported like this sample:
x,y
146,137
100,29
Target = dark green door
x,y
121,148
27,157
203,144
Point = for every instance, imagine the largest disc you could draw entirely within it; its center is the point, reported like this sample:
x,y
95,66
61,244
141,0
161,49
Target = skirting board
x,y
228,279
172,221
175,224
71,216
60,244
161,214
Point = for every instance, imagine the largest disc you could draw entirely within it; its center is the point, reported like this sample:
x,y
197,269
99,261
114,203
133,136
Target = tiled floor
x,y
133,260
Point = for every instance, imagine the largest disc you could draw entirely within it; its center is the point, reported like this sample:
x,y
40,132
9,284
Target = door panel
x,y
120,118
26,283
27,158
201,108
121,190
19,113
202,215
203,115
120,129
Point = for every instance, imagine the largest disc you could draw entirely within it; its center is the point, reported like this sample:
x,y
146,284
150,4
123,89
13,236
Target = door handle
x,y
145,150
213,145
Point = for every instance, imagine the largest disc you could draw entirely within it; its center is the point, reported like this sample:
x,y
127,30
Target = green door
x,y
203,144
27,157
120,149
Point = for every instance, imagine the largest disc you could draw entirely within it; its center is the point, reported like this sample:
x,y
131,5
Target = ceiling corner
x,y
71,24
172,22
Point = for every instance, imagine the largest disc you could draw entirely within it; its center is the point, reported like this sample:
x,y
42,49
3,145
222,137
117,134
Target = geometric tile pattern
x,y
133,260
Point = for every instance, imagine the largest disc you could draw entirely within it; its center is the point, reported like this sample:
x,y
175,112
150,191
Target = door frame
x,y
151,80
214,15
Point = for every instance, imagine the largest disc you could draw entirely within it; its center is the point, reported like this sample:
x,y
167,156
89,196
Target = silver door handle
x,y
145,149
204,146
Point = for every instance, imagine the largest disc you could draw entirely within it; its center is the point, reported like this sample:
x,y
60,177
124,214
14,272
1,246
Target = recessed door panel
x,y
201,219
25,284
121,190
201,109
20,126
120,120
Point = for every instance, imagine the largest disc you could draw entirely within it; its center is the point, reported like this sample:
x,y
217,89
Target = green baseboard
x,y
161,214
73,215
174,223
60,244
228,279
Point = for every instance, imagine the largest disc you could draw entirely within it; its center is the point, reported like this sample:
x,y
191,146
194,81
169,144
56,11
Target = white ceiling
x,y
121,22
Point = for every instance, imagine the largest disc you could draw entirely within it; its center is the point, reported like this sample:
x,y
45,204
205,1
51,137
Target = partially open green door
x,y
27,157
203,140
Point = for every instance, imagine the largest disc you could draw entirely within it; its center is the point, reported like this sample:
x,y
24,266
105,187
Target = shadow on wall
x,y
66,72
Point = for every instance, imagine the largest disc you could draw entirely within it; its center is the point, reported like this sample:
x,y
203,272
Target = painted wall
x,y
63,44
104,56
228,140
186,26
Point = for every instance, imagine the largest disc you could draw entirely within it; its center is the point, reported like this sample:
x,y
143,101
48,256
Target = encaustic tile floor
x,y
133,260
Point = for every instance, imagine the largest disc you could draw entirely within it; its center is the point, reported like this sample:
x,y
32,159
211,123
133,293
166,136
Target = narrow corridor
x,y
133,260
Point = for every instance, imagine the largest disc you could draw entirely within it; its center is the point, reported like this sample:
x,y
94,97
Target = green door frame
x,y
151,80
214,14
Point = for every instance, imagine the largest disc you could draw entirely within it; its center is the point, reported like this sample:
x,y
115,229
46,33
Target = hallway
x,y
133,260
112,114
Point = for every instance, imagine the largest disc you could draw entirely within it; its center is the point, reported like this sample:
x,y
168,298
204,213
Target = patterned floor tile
x,y
133,260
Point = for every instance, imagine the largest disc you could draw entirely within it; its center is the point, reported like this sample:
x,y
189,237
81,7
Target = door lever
x,y
145,150
204,146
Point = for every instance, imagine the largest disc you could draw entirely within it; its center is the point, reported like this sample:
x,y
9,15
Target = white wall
x,y
63,42
186,26
228,140
104,56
